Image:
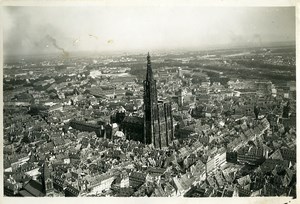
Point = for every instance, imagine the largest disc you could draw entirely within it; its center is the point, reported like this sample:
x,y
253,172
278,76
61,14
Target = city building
x,y
83,126
47,181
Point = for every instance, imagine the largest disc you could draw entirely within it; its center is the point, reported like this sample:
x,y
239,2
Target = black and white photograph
x,y
149,101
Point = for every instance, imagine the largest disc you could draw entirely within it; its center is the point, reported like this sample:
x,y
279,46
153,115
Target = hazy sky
x,y
31,30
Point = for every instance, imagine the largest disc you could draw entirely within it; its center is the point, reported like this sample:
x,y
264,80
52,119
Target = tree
x,y
256,111
286,110
26,139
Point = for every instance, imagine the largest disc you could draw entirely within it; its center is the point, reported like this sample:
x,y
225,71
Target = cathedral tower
x,y
158,123
150,107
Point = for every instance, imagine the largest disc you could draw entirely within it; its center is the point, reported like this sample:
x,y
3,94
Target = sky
x,y
42,30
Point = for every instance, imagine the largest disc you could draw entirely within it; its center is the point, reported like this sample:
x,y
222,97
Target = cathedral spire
x,y
158,124
149,76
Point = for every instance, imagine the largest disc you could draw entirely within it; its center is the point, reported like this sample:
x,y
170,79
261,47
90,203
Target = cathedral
x,y
158,123
156,127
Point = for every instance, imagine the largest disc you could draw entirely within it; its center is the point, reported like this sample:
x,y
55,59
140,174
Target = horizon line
x,y
158,50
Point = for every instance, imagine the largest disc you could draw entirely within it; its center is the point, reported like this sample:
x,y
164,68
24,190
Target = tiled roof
x,y
244,180
133,119
34,188
25,193
270,164
137,175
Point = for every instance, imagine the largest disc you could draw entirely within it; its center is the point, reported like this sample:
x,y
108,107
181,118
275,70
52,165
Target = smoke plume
x,y
53,41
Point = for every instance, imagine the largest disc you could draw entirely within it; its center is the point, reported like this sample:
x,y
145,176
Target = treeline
x,y
263,65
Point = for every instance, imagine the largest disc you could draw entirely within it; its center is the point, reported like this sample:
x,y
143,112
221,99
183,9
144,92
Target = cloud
x,y
144,28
